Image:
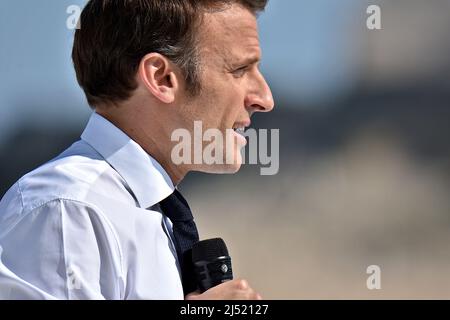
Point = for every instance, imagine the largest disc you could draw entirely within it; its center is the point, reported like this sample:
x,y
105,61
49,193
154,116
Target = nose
x,y
260,98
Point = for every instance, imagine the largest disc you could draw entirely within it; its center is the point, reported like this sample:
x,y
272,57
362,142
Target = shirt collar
x,y
146,178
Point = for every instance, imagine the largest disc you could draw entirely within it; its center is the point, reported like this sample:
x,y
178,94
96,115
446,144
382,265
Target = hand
x,y
231,290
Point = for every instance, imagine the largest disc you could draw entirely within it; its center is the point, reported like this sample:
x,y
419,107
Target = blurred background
x,y
364,121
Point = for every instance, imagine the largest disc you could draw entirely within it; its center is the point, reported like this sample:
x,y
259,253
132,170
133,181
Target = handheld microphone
x,y
212,264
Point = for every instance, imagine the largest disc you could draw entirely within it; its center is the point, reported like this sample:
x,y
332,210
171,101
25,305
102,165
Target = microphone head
x,y
208,250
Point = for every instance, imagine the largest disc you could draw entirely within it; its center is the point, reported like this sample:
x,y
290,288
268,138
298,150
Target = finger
x,y
192,295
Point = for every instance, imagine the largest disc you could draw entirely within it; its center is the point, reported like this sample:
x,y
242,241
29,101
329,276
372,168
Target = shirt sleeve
x,y
63,249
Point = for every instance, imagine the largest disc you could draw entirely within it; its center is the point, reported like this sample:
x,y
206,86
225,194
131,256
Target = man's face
x,y
232,86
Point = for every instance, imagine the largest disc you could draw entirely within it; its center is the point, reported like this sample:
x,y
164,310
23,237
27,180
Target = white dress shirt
x,y
77,227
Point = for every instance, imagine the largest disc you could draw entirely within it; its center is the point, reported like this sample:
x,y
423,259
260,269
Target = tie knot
x,y
176,208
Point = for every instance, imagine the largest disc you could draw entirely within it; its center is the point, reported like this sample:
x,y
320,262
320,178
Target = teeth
x,y
240,130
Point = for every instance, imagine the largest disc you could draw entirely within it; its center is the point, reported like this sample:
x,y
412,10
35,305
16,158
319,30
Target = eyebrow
x,y
248,61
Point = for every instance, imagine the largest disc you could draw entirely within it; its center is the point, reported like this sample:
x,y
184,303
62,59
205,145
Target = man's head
x,y
163,64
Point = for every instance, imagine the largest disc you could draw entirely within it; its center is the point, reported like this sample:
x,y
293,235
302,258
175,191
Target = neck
x,y
151,137
155,149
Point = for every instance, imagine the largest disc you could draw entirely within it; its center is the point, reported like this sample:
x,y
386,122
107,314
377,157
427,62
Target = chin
x,y
222,169
232,168
235,166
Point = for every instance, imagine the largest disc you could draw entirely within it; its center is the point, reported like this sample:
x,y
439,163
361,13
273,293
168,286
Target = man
x,y
104,219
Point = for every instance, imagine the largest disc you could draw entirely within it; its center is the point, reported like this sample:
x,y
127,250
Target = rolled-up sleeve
x,y
62,249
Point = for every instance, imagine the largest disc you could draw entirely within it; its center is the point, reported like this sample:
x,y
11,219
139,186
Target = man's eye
x,y
240,72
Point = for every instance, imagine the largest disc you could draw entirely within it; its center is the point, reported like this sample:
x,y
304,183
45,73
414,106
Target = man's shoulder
x,y
77,174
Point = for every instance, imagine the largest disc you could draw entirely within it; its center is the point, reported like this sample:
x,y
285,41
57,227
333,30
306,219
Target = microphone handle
x,y
212,273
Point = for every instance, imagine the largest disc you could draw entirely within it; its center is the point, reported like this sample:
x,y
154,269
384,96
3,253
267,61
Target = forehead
x,y
230,34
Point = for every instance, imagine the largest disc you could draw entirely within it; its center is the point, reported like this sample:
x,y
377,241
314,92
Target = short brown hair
x,y
114,36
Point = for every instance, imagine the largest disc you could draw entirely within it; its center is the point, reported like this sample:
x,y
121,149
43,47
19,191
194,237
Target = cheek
x,y
222,112
221,105
233,106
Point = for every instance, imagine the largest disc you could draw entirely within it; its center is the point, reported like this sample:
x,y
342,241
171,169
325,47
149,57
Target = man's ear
x,y
158,75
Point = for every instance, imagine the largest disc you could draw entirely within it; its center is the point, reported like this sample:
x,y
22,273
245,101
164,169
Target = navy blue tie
x,y
185,234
